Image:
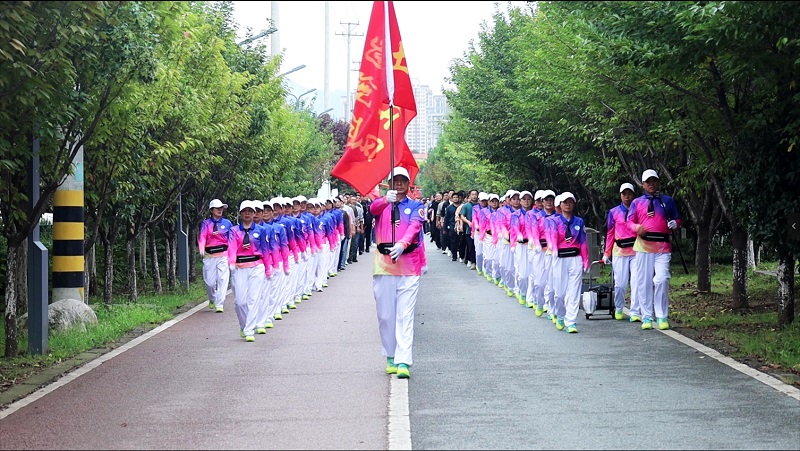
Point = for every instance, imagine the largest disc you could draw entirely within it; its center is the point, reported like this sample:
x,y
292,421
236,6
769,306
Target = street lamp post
x,y
297,98
292,70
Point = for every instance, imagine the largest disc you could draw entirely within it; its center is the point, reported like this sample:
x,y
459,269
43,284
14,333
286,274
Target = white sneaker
x,y
461,260
471,266
449,254
445,251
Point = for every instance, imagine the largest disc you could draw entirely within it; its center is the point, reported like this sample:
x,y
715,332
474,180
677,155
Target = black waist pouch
x,y
569,252
216,249
656,236
384,248
247,258
625,242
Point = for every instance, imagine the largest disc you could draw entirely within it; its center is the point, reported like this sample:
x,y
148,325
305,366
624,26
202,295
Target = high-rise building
x,y
423,132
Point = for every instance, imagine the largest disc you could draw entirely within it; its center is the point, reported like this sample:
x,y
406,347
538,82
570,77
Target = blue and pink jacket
x,y
567,245
619,236
214,241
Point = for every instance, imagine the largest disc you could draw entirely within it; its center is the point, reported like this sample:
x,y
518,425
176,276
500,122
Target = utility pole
x,y
326,83
350,34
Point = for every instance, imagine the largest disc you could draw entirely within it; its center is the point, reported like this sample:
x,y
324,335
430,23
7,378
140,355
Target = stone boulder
x,y
65,314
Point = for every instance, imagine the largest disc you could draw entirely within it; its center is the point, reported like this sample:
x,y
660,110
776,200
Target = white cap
x,y
523,193
286,201
399,170
301,198
275,200
483,196
257,204
510,193
494,196
625,186
548,193
649,173
267,204
216,203
557,201
538,194
246,204
567,195
502,198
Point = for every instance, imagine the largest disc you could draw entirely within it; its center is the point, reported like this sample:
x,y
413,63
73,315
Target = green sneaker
x,y
520,300
552,318
647,324
261,330
618,315
249,338
269,325
560,324
573,329
635,318
284,309
391,368
663,324
241,333
324,285
298,300
292,306
219,309
546,308
211,305
278,316
538,310
530,304
500,284
403,371
306,296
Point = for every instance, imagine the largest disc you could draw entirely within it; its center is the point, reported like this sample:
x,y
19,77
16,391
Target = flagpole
x,y
390,82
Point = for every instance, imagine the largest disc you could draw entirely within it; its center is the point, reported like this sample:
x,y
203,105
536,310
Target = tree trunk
x,y
192,254
91,279
22,280
785,289
171,261
143,255
130,252
739,293
13,263
702,258
108,284
157,288
751,255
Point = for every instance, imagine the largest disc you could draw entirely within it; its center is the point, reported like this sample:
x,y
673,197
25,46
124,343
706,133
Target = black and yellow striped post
x,y
68,235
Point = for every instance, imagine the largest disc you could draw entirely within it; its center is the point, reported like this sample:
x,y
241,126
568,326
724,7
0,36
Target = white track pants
x,y
478,253
652,283
395,299
543,266
521,269
216,275
622,265
249,284
567,280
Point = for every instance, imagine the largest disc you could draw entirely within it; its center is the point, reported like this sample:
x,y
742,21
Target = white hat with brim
x,y
567,195
399,171
493,196
538,194
625,186
547,193
245,205
523,193
648,174
483,196
216,203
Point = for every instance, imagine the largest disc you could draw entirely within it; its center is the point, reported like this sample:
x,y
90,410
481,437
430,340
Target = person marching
x,y
397,269
566,235
619,245
262,217
542,262
279,288
250,266
477,233
519,245
490,266
212,242
653,216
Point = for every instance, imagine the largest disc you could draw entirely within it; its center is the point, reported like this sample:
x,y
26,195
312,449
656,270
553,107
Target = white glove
x,y
232,267
672,224
391,196
606,259
424,269
520,239
396,251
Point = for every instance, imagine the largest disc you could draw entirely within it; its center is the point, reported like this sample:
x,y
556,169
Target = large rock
x,y
65,314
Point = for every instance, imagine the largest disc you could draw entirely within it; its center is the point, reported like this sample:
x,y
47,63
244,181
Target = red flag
x,y
383,84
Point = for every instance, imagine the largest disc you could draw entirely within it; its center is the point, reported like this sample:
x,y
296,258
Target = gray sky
x,y
433,34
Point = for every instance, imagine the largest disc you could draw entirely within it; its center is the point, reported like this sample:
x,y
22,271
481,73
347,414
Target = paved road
x,y
488,374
